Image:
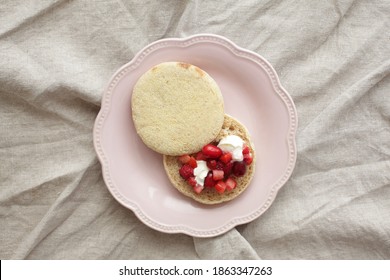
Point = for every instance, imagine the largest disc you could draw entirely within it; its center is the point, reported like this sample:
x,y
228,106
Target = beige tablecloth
x,y
56,58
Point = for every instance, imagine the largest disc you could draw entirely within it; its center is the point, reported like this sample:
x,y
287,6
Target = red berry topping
x,y
192,162
191,181
220,187
219,165
209,181
230,183
198,188
200,156
184,159
227,169
211,151
239,168
248,159
186,171
225,158
218,174
245,150
221,168
212,164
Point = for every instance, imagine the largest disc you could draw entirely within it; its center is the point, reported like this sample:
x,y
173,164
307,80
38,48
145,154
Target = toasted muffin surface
x,y
177,108
231,126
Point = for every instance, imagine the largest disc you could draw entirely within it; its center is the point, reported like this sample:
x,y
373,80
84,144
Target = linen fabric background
x,y
56,58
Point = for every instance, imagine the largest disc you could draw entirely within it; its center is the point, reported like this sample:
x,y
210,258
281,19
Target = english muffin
x,y
209,193
177,108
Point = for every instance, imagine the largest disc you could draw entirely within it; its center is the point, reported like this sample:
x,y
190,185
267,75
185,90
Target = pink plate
x,y
252,93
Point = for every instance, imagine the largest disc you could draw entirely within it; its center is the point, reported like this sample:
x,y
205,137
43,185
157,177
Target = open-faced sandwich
x,y
178,111
220,171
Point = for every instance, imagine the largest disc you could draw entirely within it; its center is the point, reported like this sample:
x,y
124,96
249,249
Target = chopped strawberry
x,y
184,159
217,174
192,162
212,164
198,188
209,181
230,183
248,158
211,151
191,181
186,171
200,156
227,169
226,157
220,187
245,150
239,168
